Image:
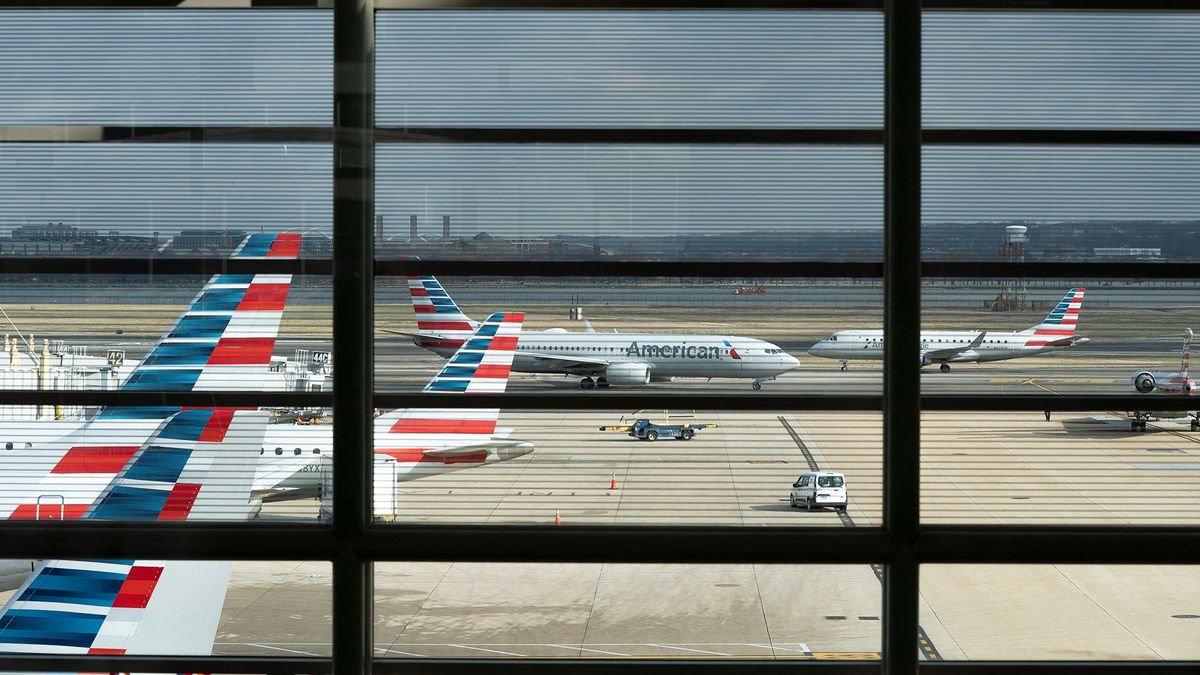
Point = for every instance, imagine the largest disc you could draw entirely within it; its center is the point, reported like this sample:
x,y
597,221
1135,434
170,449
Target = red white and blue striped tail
x,y
436,311
269,245
199,465
222,341
1060,323
484,361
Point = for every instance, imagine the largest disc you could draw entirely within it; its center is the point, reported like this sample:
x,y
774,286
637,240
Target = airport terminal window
x,y
735,158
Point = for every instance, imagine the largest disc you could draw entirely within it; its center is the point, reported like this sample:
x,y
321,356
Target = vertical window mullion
x,y
353,323
901,310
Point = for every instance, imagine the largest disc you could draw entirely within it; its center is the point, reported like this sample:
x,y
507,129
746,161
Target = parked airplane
x,y
1179,383
1056,331
602,359
196,465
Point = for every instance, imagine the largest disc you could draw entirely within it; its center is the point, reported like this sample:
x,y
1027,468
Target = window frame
x,y
353,543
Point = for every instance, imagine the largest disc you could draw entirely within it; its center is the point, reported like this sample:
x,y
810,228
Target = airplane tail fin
x,y
198,465
435,310
1060,323
1187,353
484,361
225,338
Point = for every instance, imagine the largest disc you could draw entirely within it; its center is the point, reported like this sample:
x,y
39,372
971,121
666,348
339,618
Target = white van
x,y
819,488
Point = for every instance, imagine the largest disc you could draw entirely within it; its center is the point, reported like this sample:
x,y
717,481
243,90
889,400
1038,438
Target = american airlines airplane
x,y
1056,331
1179,383
601,359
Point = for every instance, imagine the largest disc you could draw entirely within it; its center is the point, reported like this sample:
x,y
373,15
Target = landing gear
x,y
602,382
757,383
844,365
945,367
1195,424
586,383
1137,424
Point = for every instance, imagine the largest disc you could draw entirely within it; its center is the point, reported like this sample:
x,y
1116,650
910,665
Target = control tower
x,y
1012,298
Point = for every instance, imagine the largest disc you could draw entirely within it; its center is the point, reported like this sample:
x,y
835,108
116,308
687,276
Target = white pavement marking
x,y
494,651
588,649
389,650
291,651
689,649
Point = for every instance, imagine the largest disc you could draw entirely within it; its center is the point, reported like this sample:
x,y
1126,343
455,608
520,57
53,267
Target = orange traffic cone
x,y
557,518
612,485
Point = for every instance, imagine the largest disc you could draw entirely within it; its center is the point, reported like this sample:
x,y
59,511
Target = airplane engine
x,y
628,373
13,573
1143,382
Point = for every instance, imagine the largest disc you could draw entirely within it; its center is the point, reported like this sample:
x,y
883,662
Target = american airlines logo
x,y
673,351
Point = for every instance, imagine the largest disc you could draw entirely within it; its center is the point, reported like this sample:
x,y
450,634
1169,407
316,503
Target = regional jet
x,y
1179,383
601,359
1056,331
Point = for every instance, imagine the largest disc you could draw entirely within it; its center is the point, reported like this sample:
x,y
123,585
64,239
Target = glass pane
x,y
144,68
1076,202
650,466
171,607
246,332
644,202
488,610
136,200
677,332
629,69
1079,468
1061,70
1063,612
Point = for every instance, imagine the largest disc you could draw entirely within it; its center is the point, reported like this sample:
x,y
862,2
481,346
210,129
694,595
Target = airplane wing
x,y
940,354
223,340
475,448
564,362
197,466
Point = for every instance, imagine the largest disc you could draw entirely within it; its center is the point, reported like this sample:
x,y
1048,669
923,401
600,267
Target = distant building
x,y
1128,253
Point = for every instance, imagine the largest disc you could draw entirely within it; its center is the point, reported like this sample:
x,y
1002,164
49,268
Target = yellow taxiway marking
x,y
1031,381
846,656
1048,380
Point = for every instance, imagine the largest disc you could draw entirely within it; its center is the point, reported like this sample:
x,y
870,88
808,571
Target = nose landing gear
x,y
845,364
757,383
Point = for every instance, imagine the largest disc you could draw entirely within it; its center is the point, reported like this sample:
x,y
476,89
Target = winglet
x,y
482,365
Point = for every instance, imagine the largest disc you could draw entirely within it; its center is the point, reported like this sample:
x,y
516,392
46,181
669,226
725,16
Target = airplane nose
x,y
791,362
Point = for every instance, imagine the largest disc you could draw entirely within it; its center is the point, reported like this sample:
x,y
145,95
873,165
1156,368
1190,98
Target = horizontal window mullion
x,y
1063,402
985,269
267,665
628,544
93,539
96,133
674,135
1057,667
628,401
211,399
652,5
1060,137
589,666
1125,544
1060,5
619,268
164,265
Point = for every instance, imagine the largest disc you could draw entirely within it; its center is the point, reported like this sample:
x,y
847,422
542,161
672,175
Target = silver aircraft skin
x,y
1055,332
1178,383
602,359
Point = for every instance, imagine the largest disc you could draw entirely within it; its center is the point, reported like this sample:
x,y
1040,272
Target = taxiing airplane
x,y
1056,331
601,359
1179,383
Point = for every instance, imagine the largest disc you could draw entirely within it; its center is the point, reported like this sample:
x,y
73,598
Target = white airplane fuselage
x,y
665,355
290,459
854,345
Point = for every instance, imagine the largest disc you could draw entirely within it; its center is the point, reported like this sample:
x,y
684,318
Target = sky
x,y
766,69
